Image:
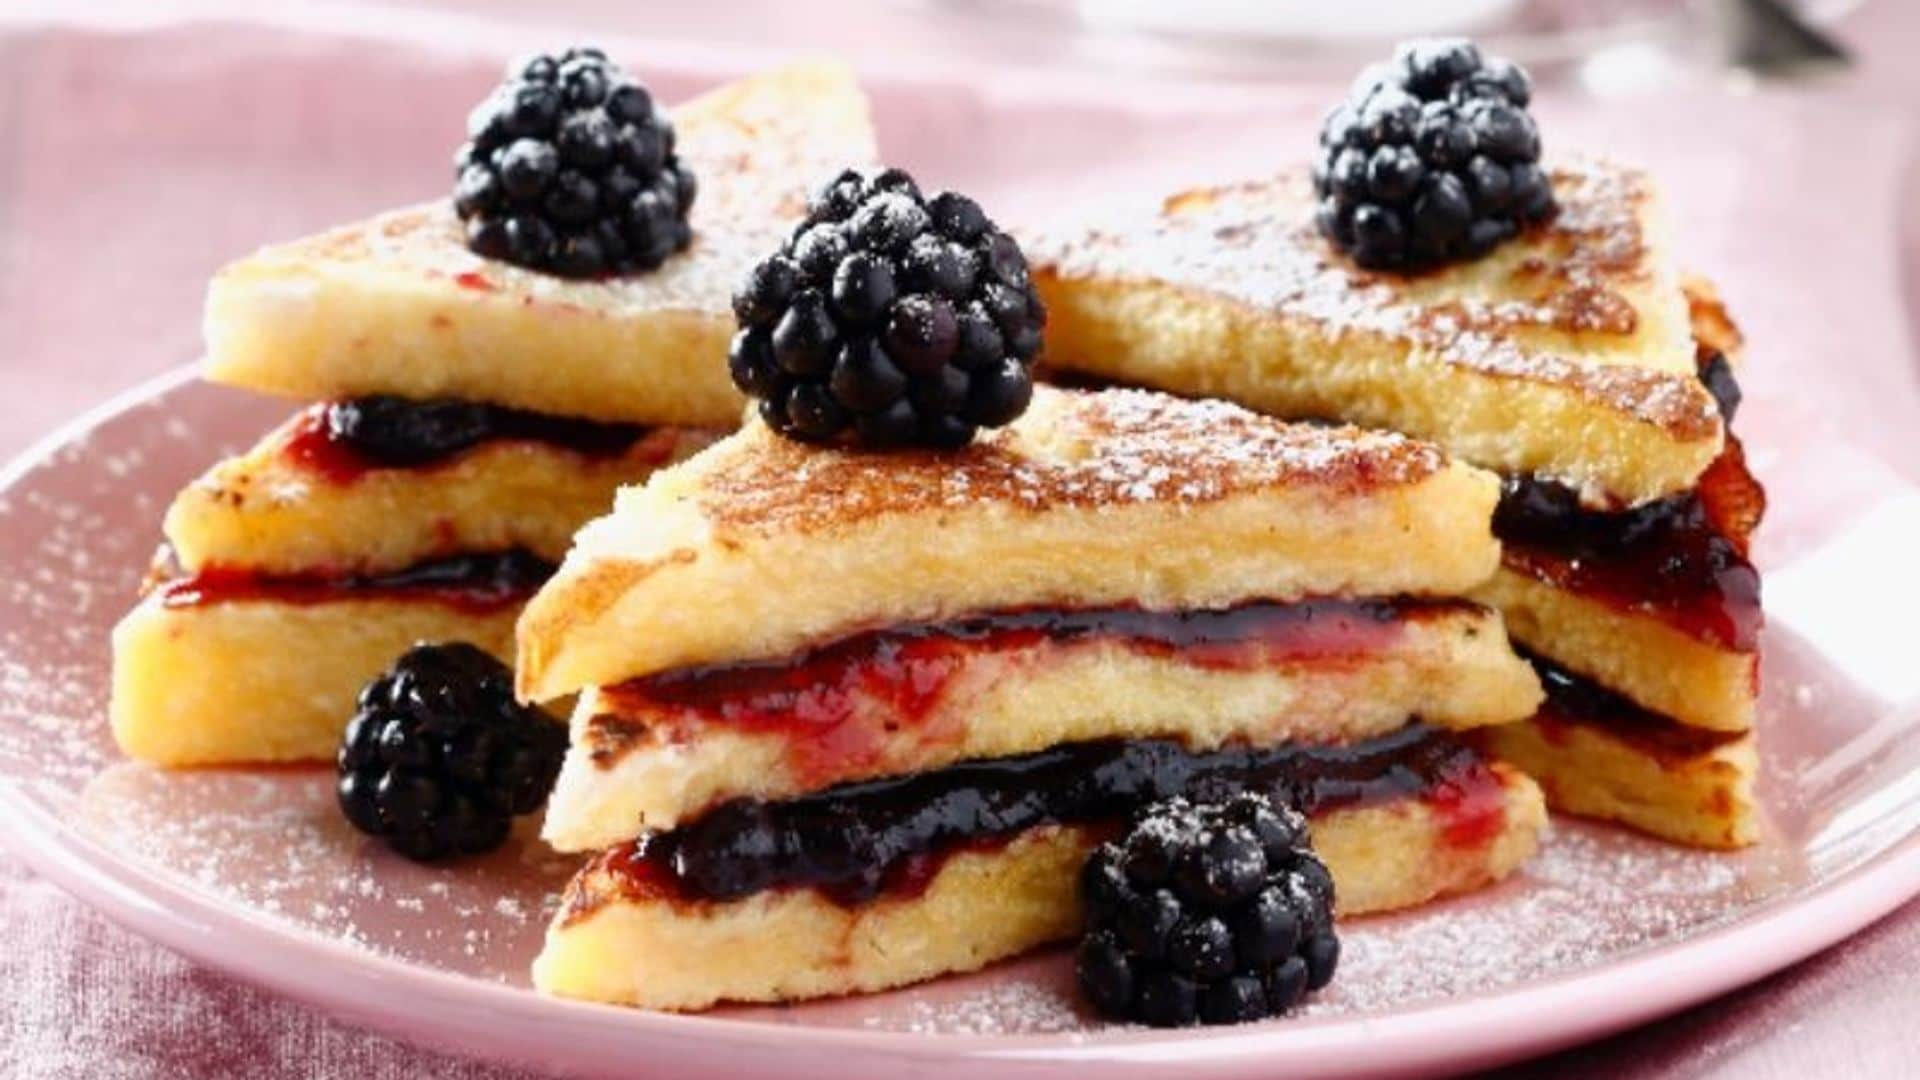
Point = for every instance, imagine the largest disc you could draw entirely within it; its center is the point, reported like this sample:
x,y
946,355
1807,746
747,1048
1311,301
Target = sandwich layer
x,y
1645,660
1564,353
300,500
1088,500
655,752
628,933
229,669
1658,603
397,305
1598,756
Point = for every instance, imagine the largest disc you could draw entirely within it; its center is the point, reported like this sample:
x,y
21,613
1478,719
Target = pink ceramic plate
x,y
254,872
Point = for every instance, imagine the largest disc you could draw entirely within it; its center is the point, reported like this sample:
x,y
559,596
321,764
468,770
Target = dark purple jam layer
x,y
1682,559
856,841
1574,699
343,439
479,583
840,704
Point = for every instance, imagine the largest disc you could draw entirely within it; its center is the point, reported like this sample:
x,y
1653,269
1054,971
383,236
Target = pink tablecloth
x,y
124,182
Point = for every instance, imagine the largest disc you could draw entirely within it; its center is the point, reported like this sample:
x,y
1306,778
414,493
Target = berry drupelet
x,y
439,758
1432,158
898,318
569,168
1213,913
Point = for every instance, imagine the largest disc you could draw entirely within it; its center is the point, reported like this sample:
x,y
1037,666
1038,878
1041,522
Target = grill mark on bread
x,y
1253,244
1075,448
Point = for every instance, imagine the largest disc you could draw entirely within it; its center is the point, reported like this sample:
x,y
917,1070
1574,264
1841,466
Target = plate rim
x,y
1536,1016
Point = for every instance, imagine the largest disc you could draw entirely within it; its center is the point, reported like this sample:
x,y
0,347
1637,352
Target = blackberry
x,y
1432,158
1211,913
439,758
569,168
888,317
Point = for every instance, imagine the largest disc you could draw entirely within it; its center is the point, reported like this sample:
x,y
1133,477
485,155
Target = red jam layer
x,y
480,584
1681,560
838,704
1576,701
345,440
858,841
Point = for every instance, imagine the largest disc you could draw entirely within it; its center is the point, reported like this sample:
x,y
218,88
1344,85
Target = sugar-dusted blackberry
x,y
1431,158
439,758
1211,913
569,168
888,318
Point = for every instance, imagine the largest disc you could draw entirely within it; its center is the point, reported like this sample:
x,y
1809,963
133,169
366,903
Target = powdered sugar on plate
x,y
269,844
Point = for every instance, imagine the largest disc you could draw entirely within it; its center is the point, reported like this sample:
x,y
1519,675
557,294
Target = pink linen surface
x,y
134,161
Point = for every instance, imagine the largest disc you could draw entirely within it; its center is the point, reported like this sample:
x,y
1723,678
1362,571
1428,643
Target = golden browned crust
x,y
1106,449
1120,497
1580,310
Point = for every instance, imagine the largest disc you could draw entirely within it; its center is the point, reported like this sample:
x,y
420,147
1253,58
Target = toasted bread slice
x,y
398,305
1639,656
264,680
643,763
272,511
1090,499
1688,788
613,943
1564,353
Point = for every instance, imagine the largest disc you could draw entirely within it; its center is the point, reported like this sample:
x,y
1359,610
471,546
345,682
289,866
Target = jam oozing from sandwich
x,y
343,440
841,703
857,841
1682,559
477,583
1576,701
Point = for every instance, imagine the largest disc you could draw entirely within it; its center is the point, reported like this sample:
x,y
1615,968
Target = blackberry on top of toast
x,y
1431,159
900,318
569,168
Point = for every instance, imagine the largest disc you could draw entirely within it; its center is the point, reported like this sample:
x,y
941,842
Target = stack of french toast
x,y
469,416
1394,499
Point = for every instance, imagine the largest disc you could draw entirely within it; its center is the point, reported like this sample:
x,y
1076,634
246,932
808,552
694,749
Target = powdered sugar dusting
x,y
269,844
1506,315
1109,448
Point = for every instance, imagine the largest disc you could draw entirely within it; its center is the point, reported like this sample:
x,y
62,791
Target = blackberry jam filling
x,y
845,699
856,841
1573,699
479,583
1682,558
343,439
799,689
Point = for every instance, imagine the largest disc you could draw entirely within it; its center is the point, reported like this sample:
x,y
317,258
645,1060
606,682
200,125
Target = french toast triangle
x,y
1565,353
397,305
1102,498
979,661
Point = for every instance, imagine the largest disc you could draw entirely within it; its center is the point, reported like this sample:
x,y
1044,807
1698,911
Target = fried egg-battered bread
x,y
398,305
1691,787
637,762
270,511
264,680
1565,352
611,944
758,546
1643,658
